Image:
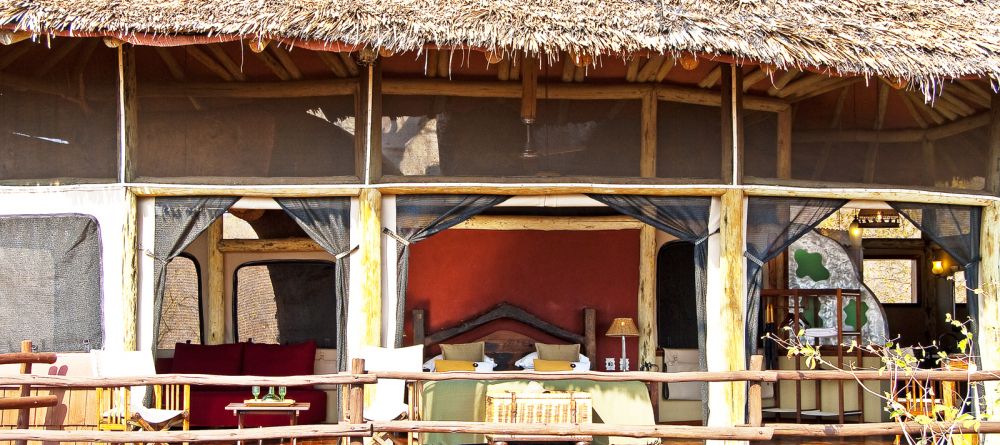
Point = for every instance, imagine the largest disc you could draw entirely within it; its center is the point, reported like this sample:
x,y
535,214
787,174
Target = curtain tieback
x,y
162,260
971,263
705,238
396,236
346,253
754,259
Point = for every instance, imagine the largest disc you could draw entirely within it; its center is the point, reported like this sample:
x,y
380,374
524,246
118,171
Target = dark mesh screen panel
x,y
180,316
50,283
688,141
286,302
235,131
62,126
465,136
875,134
760,143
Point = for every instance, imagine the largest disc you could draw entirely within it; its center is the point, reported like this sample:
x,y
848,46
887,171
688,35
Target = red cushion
x,y
207,359
208,408
279,360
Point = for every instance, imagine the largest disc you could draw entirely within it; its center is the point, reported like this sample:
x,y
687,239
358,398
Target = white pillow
x,y
684,390
527,363
486,365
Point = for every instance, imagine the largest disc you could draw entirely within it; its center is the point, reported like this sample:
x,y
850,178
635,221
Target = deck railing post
x,y
356,399
24,414
754,398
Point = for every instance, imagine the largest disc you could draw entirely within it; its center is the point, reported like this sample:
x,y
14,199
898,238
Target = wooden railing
x,y
24,402
355,427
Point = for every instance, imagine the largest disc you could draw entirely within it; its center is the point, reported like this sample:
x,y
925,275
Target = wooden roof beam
x,y
959,89
175,71
285,59
976,88
753,78
649,70
665,68
444,63
832,85
333,63
349,63
272,64
802,85
783,81
568,68
919,104
921,122
632,71
712,77
579,73
962,108
56,56
202,57
226,61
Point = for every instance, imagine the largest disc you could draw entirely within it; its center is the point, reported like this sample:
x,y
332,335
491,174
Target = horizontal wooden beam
x,y
586,429
54,381
28,402
298,88
281,191
595,376
874,429
177,436
269,245
503,222
27,357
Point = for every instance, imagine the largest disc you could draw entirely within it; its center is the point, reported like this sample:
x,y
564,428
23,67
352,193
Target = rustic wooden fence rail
x,y
355,428
25,401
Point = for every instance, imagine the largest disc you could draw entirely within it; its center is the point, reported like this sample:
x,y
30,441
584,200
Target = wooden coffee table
x,y
292,411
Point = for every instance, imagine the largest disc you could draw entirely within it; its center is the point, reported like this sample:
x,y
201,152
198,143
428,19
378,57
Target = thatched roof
x,y
921,40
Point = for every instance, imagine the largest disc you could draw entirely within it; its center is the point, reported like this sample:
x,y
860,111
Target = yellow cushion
x,y
472,352
453,365
568,353
552,365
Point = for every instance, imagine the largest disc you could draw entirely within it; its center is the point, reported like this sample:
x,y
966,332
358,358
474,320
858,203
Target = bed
x,y
464,400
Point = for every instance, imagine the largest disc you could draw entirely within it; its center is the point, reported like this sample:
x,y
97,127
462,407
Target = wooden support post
x,y
216,306
370,219
732,124
356,399
989,306
725,326
784,167
647,158
647,297
754,401
24,413
993,184
130,273
128,113
589,333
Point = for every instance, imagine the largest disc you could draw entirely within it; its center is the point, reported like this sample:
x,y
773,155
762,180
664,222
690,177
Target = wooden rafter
x,y
665,68
649,69
960,90
712,77
56,56
273,64
782,81
828,146
444,63
515,66
175,71
202,57
632,72
918,103
921,122
802,85
431,63
960,107
285,59
753,78
79,70
568,68
826,87
333,63
976,88
227,62
579,73
503,69
349,63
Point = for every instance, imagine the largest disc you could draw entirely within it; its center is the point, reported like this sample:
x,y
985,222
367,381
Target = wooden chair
x,y
122,409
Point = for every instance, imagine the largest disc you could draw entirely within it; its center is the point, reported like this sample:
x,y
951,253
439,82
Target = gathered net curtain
x,y
773,224
328,222
50,283
956,229
178,221
686,218
420,216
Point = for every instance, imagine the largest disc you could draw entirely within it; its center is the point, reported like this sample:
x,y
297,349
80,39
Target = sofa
x,y
208,402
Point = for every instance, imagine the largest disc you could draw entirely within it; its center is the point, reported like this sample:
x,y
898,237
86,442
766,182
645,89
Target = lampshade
x,y
623,327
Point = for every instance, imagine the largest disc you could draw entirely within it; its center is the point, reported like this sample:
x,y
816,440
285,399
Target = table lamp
x,y
623,327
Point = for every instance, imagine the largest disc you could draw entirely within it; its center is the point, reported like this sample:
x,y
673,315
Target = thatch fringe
x,y
923,41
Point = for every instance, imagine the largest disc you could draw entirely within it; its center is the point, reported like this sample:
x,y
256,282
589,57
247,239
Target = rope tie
x,y
753,259
705,238
346,253
395,236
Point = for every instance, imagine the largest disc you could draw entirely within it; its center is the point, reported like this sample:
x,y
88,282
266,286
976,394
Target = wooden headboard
x,y
504,346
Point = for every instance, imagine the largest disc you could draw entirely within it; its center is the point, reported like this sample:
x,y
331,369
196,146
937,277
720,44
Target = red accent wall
x,y
458,274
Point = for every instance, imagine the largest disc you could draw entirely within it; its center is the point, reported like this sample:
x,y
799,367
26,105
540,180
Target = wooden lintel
x,y
895,136
549,223
302,191
269,245
299,88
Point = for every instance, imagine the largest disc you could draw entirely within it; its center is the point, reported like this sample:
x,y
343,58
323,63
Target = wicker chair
x,y
122,409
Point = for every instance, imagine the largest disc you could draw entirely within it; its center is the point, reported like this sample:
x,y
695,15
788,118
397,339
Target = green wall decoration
x,y
810,265
850,311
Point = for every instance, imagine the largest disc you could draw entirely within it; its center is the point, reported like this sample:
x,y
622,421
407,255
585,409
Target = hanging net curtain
x,y
420,216
178,221
686,218
328,222
773,224
956,229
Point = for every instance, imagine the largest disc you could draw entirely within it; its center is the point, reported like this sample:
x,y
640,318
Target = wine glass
x,y
282,390
255,390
